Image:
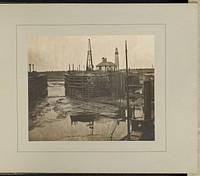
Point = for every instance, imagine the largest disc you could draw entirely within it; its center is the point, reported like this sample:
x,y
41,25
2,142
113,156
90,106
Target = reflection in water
x,y
58,118
84,117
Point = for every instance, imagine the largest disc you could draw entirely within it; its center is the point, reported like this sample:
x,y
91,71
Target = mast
x,y
89,64
127,91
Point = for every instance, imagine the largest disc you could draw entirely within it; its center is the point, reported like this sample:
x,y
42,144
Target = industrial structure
x,y
117,59
127,84
89,63
81,84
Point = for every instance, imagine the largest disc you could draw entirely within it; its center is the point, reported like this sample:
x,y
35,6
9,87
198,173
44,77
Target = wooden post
x,y
127,93
30,68
147,100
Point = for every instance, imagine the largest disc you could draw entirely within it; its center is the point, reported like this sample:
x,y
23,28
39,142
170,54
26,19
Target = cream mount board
x,y
174,28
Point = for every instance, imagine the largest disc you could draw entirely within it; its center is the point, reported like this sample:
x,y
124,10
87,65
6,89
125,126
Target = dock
x,y
37,87
82,84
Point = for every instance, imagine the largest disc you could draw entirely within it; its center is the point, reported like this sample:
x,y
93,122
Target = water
x,y
58,118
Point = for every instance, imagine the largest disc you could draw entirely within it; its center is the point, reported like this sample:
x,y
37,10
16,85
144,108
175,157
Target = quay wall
x,y
98,83
37,87
85,85
54,75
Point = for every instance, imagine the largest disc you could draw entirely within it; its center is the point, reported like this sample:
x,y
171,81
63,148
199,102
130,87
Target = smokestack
x,y
73,67
30,68
69,67
33,67
117,58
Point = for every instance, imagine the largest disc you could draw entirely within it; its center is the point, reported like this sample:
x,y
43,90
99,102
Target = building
x,y
106,66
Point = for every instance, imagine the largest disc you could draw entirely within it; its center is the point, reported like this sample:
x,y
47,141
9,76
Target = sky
x,y
55,53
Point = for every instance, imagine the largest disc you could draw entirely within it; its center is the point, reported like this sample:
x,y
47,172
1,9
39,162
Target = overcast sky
x,y
53,53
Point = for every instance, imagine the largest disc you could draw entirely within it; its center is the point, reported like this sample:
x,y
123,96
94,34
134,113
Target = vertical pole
x,y
127,93
69,67
33,67
147,100
29,67
120,89
87,61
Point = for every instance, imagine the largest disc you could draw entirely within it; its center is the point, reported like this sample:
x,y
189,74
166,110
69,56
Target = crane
x,y
89,64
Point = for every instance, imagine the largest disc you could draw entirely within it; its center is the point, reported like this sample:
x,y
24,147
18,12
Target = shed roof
x,y
105,63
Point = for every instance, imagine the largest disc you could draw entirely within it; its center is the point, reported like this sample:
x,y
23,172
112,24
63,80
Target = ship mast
x,y
89,64
127,91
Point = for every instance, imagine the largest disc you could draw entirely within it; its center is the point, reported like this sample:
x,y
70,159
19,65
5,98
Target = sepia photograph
x,y
91,88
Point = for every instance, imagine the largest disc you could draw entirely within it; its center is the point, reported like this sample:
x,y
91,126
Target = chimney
x,y
30,68
117,58
33,67
104,59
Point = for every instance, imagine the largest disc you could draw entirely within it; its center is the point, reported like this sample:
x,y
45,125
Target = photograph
x,y
91,88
